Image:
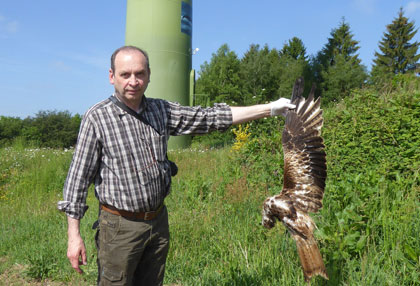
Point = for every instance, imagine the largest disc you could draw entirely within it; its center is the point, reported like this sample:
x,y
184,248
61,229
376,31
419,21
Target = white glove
x,y
281,106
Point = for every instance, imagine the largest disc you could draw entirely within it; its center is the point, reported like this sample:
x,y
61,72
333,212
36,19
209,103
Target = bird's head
x,y
268,220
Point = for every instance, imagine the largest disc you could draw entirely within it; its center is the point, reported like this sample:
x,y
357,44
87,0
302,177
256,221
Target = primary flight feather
x,y
305,171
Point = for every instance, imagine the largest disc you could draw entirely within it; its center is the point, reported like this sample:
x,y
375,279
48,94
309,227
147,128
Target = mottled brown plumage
x,y
305,171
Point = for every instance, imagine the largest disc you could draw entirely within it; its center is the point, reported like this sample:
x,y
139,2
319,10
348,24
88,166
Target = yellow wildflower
x,y
242,136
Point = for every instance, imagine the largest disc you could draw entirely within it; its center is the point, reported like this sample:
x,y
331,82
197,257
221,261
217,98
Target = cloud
x,y
60,66
12,27
77,63
90,60
365,6
412,7
7,26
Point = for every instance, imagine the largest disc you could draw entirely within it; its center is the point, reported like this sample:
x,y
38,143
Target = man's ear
x,y
111,76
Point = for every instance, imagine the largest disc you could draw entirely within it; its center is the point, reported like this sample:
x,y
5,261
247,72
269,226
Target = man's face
x,y
131,76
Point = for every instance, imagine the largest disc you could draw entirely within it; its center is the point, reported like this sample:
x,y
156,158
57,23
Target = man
x,y
122,148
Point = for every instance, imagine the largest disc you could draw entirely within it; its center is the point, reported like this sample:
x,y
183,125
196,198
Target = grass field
x,y
368,229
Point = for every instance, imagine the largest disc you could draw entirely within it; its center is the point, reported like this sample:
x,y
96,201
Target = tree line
x,y
264,74
55,129
261,75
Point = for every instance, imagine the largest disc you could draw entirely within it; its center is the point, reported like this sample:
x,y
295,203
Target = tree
x,y
294,64
341,78
10,128
52,129
340,43
219,80
295,49
259,75
337,67
397,54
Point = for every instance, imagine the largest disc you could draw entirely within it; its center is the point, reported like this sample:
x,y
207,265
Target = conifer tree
x,y
294,49
397,54
342,43
293,64
337,67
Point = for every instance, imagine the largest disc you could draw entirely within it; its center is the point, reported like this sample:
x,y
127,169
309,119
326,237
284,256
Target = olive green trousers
x,y
132,252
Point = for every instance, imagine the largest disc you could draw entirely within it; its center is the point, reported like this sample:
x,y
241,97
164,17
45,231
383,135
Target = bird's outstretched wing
x,y
305,172
305,168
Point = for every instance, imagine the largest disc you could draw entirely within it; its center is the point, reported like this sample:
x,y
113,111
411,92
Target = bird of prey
x,y
305,171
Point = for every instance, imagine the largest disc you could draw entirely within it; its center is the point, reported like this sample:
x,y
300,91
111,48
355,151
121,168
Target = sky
x,y
54,55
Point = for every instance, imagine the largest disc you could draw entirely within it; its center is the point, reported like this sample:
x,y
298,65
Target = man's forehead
x,y
125,58
129,54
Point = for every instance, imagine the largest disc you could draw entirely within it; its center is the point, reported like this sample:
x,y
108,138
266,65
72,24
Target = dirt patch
x,y
13,276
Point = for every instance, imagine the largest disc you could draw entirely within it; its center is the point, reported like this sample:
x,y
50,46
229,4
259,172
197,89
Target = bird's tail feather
x,y
310,257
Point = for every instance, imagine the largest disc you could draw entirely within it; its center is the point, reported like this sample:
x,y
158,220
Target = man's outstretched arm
x,y
247,113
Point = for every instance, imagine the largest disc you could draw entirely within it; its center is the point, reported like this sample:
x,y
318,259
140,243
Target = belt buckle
x,y
148,215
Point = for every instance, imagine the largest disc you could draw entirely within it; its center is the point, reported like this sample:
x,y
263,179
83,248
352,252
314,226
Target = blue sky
x,y
54,55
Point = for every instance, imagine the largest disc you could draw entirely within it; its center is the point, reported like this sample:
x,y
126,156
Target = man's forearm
x,y
247,113
73,227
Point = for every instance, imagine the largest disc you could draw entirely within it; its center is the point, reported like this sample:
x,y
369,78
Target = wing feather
x,y
305,168
306,104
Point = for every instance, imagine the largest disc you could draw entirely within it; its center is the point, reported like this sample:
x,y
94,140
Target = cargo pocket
x,y
112,275
109,226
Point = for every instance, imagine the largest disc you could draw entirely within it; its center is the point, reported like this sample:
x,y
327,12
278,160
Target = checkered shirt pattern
x,y
126,158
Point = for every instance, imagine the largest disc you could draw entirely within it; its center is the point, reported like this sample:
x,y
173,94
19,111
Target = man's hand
x,y
281,106
76,250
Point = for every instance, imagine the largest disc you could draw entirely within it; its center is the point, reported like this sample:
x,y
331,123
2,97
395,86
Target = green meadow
x,y
368,230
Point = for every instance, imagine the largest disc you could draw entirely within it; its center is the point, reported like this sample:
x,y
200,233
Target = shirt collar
x,y
143,104
142,108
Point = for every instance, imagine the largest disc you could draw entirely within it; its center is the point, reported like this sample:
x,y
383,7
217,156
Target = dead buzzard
x,y
305,171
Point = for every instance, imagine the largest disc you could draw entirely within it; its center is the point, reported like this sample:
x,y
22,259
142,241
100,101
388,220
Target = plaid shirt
x,y
126,158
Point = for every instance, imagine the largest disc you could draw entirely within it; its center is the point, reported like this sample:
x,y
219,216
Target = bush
x,y
371,198
54,129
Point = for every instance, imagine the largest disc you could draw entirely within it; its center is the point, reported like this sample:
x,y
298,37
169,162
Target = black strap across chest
x,y
173,166
132,112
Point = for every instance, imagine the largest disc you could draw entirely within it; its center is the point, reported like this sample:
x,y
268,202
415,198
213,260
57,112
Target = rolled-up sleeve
x,y
82,171
198,120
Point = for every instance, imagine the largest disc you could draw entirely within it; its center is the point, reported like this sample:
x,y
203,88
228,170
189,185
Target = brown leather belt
x,y
134,215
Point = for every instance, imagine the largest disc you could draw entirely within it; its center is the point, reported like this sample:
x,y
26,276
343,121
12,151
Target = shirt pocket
x,y
158,144
148,174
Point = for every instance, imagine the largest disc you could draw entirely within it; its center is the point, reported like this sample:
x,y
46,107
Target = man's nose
x,y
133,80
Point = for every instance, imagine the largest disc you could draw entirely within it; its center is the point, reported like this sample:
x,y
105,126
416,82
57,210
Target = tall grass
x,y
33,231
368,229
